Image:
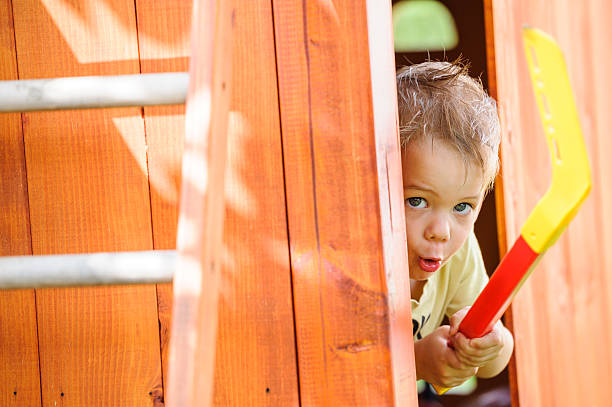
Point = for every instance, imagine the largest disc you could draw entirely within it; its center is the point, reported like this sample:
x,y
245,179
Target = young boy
x,y
450,136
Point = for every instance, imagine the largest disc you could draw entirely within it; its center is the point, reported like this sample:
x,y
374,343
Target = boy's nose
x,y
438,230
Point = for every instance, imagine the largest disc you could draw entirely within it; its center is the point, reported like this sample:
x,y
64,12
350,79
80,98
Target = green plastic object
x,y
423,25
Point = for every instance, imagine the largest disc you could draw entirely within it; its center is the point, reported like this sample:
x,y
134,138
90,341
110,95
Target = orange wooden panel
x,y
562,316
164,38
338,241
200,230
163,41
391,196
500,212
14,221
256,355
19,369
87,186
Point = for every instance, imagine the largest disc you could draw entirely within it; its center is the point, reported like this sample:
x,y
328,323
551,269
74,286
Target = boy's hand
x,y
475,352
437,363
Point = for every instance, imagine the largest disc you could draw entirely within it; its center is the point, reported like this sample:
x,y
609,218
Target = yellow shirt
x,y
453,287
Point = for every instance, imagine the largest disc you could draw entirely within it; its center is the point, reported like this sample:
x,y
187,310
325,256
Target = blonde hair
x,y
439,100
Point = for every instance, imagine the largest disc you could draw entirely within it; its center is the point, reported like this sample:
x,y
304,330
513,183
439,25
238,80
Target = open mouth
x,y
429,265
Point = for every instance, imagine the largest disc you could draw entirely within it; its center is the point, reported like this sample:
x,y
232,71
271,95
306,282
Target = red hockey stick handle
x,y
493,301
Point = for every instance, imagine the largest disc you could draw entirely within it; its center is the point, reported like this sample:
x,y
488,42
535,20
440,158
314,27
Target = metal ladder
x,y
146,267
194,266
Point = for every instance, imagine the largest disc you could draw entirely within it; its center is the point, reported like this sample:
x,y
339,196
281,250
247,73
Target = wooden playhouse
x,y
313,297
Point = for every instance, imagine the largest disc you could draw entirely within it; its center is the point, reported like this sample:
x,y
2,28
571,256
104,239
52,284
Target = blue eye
x,y
415,202
463,208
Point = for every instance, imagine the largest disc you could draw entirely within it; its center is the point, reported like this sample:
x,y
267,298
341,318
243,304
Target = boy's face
x,y
441,204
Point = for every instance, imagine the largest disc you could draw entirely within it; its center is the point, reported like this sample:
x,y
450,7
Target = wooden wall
x,y
340,142
562,317
86,188
312,307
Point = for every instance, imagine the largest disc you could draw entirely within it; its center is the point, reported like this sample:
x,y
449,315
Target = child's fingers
x,y
491,340
457,371
471,355
452,360
476,361
456,319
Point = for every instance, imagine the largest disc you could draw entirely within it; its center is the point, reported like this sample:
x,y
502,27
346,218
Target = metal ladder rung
x,y
87,92
84,92
72,270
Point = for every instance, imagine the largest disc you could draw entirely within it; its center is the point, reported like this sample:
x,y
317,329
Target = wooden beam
x,y
391,196
500,211
200,229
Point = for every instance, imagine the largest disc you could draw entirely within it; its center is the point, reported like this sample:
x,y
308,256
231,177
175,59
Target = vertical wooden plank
x,y
590,282
163,38
561,316
163,41
256,356
200,229
334,212
599,15
20,373
14,218
19,367
500,212
391,196
87,186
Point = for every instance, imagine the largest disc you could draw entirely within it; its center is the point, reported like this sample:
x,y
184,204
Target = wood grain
x,y
19,368
14,213
163,43
256,355
200,229
334,212
87,187
500,212
391,196
562,315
